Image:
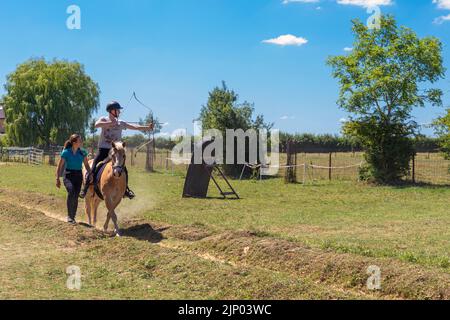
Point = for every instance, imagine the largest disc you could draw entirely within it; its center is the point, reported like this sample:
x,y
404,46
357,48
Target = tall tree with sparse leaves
x,y
151,146
45,102
382,80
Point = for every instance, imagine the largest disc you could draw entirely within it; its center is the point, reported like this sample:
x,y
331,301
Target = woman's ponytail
x,y
69,143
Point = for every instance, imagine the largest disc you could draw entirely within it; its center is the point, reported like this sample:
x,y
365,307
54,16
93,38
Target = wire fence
x,y
29,155
428,168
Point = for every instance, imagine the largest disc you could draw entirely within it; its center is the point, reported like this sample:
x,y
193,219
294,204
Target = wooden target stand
x,y
199,177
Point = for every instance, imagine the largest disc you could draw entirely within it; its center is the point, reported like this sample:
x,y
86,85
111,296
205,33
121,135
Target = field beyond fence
x,y
428,168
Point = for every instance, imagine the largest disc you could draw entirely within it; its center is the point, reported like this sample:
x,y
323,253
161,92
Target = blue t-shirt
x,y
73,161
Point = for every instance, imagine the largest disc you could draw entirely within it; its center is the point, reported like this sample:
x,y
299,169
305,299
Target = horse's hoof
x,y
118,233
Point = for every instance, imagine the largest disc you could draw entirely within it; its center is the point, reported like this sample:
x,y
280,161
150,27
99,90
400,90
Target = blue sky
x,y
173,52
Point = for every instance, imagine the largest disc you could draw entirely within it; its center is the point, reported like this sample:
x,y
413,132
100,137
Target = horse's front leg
x,y
116,224
108,217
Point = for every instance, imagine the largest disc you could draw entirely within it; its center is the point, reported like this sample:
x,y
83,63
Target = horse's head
x,y
118,158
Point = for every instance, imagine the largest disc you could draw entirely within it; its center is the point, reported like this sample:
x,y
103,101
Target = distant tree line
x,y
303,142
311,143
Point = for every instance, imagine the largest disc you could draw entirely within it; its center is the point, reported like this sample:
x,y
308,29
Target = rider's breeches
x,y
73,181
101,155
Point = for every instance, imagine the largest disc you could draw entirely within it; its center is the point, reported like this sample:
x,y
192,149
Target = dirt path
x,y
340,275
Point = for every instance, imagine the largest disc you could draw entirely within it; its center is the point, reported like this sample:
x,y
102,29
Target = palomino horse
x,y
112,185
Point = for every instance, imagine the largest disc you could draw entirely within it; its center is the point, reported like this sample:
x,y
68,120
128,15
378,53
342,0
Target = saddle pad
x,y
97,180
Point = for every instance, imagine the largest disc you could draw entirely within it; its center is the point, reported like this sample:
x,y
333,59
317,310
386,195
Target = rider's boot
x,y
128,193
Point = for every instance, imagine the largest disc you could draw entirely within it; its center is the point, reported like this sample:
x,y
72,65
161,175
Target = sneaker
x,y
129,194
71,221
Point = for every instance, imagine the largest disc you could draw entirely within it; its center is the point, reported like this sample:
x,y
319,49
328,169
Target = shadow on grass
x,y
424,185
144,232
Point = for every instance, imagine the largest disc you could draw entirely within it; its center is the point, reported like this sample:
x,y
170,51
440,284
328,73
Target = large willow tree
x,y
46,102
382,80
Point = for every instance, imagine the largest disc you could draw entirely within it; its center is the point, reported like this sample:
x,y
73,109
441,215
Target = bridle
x,y
120,168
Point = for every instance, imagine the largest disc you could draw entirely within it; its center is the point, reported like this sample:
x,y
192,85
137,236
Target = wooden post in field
x,y
329,166
414,169
167,160
132,158
290,173
51,158
149,163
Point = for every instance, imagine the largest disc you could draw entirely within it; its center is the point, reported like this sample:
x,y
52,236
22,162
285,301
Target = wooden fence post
x,y
414,169
291,164
167,160
329,166
132,158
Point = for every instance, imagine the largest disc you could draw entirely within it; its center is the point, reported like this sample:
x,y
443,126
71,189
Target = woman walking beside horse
x,y
72,158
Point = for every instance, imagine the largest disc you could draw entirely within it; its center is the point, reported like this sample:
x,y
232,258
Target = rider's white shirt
x,y
111,134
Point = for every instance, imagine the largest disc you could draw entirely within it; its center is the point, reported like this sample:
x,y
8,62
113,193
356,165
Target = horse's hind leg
x,y
87,209
95,205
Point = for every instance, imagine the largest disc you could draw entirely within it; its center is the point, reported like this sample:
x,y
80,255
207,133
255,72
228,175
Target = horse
x,y
112,186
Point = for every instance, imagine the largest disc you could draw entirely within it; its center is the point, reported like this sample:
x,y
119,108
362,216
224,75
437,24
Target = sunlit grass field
x,y
411,224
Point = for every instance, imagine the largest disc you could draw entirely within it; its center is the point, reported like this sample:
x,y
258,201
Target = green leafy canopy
x,y
46,102
385,76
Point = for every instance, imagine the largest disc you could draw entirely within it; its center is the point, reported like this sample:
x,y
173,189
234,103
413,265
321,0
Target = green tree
x,y
45,102
92,131
442,126
223,111
381,82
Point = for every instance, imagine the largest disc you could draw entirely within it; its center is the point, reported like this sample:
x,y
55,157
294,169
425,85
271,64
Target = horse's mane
x,y
119,146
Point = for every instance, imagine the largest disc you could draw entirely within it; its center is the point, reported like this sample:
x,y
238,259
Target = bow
x,y
133,96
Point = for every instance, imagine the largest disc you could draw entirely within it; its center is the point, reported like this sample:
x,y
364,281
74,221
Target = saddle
x,y
98,171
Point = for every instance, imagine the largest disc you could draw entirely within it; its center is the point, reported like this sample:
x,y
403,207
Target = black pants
x,y
101,155
73,181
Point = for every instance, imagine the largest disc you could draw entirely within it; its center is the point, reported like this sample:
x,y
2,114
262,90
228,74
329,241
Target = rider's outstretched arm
x,y
130,126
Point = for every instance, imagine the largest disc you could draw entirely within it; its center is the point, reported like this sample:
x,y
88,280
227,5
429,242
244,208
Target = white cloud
x,y
445,5
442,4
442,19
348,49
366,3
287,118
343,120
287,40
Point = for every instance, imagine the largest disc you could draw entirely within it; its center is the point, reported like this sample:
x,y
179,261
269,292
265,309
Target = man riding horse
x,y
112,129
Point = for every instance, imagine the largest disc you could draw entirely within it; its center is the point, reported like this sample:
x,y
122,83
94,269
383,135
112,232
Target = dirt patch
x,y
31,219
